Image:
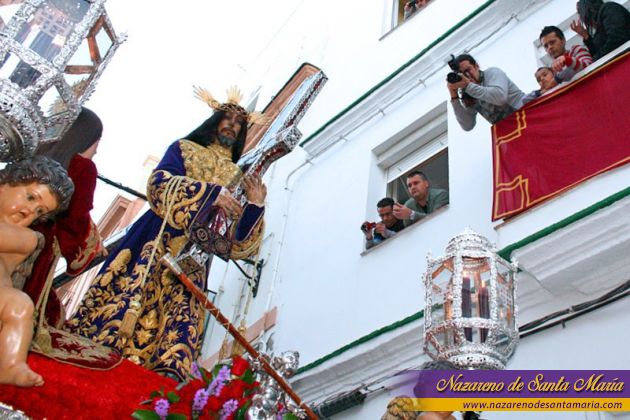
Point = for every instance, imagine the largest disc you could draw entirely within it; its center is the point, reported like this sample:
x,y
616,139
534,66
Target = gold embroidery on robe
x,y
86,253
186,198
210,164
250,246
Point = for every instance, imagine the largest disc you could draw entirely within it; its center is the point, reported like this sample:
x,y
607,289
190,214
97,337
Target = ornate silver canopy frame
x,y
470,313
52,53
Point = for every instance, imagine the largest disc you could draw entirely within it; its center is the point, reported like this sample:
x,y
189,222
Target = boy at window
x,y
424,199
388,226
546,81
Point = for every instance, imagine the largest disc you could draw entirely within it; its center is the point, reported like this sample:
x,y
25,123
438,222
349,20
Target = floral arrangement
x,y
225,393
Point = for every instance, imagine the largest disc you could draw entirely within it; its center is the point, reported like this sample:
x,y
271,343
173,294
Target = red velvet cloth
x,y
71,392
75,226
35,283
562,139
73,229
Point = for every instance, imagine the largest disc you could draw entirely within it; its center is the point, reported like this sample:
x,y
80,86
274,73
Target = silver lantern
x,y
52,53
470,313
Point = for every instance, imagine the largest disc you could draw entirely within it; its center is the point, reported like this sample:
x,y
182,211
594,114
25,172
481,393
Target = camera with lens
x,y
367,226
453,76
456,76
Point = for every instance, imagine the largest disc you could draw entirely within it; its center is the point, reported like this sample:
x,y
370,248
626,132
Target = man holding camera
x,y
489,92
388,226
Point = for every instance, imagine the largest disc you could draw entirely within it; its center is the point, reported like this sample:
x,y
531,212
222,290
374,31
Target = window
x,y
422,146
400,14
436,170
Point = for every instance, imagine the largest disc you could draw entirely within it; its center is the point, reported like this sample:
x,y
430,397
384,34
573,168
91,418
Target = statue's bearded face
x,y
229,128
21,205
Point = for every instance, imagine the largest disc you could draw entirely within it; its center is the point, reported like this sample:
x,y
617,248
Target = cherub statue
x,y
30,189
265,403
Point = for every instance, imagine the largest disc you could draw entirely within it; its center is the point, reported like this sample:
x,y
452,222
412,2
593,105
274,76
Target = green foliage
x,y
216,369
172,397
204,375
145,415
157,394
241,414
248,377
176,416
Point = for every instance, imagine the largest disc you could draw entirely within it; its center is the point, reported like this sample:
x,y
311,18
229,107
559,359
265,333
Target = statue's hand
x,y
255,190
229,204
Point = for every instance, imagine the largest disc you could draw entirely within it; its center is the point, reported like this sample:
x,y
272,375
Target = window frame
x,y
442,153
394,14
420,140
412,146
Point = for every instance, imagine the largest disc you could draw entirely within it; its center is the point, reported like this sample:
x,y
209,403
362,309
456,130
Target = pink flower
x,y
200,400
161,408
228,409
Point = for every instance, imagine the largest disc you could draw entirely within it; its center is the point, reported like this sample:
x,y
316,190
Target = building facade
x,y
354,315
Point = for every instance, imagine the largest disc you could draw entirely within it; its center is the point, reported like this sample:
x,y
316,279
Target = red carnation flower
x,y
191,387
214,403
234,390
239,365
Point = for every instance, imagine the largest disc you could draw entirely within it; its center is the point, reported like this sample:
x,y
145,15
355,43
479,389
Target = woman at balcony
x,y
602,26
73,234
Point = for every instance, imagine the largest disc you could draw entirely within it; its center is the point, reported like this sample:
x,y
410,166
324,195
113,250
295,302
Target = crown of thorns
x,y
234,96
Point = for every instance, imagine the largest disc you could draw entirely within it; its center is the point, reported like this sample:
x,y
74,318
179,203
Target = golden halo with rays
x,y
234,96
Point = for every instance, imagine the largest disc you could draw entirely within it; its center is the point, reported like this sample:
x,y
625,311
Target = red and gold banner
x,y
562,139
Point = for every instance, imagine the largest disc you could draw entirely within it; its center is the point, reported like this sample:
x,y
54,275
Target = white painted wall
x,y
344,40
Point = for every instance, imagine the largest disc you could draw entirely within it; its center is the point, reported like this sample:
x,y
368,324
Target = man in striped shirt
x,y
565,63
